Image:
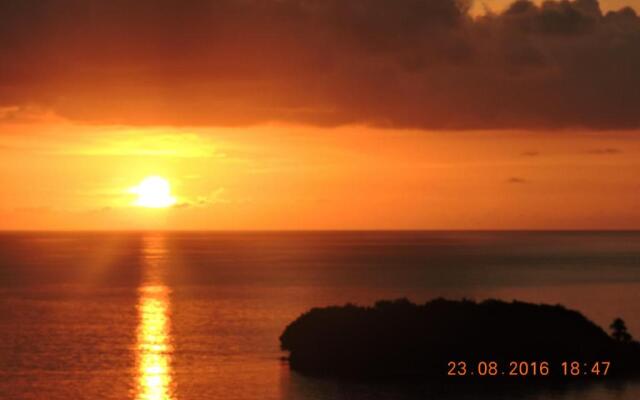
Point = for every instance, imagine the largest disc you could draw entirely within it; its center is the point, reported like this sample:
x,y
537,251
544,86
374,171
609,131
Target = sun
x,y
153,192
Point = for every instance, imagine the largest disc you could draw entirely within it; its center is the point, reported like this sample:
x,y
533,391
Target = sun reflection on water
x,y
154,348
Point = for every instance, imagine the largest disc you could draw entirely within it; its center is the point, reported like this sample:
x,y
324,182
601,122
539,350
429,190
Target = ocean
x,y
190,316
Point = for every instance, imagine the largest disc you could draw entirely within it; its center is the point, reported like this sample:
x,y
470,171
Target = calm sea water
x,y
198,315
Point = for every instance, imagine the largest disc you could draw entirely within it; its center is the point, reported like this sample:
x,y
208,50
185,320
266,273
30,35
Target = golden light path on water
x,y
154,344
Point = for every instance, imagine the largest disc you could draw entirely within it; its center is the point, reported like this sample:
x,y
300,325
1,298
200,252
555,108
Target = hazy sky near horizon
x,y
333,114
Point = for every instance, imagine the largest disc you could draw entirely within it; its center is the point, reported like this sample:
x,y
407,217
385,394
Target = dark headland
x,y
401,339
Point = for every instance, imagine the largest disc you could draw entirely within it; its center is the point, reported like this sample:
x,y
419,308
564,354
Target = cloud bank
x,y
423,64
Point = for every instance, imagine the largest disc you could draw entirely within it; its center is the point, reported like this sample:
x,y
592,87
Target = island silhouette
x,y
397,338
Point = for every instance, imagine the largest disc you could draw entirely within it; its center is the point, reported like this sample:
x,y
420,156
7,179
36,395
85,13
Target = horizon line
x,y
339,230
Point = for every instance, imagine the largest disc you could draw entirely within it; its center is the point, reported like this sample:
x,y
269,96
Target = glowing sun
x,y
153,192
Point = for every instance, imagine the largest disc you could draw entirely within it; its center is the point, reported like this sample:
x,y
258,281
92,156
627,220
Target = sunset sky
x,y
333,114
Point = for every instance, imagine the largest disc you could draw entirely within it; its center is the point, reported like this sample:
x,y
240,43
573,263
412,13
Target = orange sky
x,y
62,175
303,115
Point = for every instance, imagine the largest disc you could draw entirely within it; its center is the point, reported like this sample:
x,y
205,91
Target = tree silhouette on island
x,y
402,339
619,331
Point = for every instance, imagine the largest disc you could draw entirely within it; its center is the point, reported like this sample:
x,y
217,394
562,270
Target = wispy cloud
x,y
216,196
144,143
517,180
604,151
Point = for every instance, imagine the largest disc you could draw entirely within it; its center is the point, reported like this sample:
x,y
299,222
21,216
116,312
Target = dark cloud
x,y
530,154
407,63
